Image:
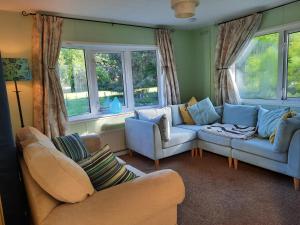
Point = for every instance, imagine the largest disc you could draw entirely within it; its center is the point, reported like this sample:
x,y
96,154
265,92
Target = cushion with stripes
x,y
104,169
72,146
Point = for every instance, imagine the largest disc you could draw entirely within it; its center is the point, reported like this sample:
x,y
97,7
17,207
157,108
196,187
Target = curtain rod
x,y
24,13
275,7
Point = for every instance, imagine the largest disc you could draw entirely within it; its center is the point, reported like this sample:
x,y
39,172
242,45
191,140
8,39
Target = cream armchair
x,y
151,199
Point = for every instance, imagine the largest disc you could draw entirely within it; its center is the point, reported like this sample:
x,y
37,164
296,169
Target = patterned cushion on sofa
x,y
104,170
72,146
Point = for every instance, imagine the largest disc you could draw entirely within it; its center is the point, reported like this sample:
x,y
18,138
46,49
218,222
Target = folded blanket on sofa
x,y
230,130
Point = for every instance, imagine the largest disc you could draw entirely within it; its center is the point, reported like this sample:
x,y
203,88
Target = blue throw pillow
x,y
203,112
285,132
268,120
219,110
240,115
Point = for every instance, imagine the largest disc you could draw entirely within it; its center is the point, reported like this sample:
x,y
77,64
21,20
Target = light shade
x,y
184,8
16,69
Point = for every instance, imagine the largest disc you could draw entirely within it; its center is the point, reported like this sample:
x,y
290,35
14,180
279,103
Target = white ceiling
x,y
143,12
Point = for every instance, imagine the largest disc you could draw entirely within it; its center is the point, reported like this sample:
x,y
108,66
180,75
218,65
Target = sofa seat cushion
x,y
190,127
213,138
260,147
179,136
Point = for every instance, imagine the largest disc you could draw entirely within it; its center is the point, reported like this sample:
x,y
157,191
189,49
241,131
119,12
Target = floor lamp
x,y
16,69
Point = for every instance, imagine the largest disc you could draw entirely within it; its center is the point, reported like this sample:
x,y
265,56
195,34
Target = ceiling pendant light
x,y
184,8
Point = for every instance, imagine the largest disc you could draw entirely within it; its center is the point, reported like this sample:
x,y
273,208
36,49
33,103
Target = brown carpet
x,y
216,194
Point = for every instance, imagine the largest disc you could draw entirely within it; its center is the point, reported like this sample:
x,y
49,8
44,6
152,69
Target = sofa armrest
x,y
294,155
127,204
92,142
143,137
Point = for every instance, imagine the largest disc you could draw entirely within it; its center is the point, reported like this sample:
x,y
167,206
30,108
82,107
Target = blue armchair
x,y
144,138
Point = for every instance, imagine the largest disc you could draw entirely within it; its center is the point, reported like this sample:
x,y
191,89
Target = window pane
x,y
144,76
257,69
109,72
74,81
293,89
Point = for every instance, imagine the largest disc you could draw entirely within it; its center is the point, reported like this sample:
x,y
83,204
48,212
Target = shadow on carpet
x,y
216,194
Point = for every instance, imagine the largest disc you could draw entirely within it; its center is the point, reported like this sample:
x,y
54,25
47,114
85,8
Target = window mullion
x,y
128,80
92,79
284,65
280,83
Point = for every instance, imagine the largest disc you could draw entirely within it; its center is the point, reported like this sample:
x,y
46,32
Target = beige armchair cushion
x,y
58,175
29,135
131,203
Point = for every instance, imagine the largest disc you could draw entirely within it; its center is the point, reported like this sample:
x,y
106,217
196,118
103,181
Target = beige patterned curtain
x,y
232,38
49,111
164,42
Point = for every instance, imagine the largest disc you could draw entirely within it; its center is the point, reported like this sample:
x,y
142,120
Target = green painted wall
x,y
205,43
15,41
184,57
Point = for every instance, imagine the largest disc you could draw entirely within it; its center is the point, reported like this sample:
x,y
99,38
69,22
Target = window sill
x,y
90,117
275,102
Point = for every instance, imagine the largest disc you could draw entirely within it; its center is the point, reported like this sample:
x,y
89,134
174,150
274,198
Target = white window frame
x,y
284,31
125,51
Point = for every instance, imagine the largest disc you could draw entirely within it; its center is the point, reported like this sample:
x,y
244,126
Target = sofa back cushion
x,y
153,113
285,131
268,120
163,125
176,115
185,115
29,135
203,113
57,174
240,115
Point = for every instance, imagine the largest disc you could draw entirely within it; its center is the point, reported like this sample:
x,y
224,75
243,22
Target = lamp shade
x,y
16,69
184,8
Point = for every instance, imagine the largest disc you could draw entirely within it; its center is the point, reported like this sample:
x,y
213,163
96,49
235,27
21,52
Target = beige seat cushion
x,y
58,175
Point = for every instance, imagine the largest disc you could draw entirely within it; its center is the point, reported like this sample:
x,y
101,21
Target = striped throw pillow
x,y
72,146
104,169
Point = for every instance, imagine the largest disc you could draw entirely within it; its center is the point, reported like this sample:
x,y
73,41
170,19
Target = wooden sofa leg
x,y
156,162
200,151
130,152
230,162
193,152
235,161
296,184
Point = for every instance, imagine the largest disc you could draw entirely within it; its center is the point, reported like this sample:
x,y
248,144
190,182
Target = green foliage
x,y
144,71
257,70
294,65
109,73
72,67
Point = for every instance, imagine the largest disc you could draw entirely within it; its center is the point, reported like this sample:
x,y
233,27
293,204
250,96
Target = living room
x,y
194,102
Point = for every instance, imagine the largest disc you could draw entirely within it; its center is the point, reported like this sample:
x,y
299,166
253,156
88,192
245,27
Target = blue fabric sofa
x,y
144,138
